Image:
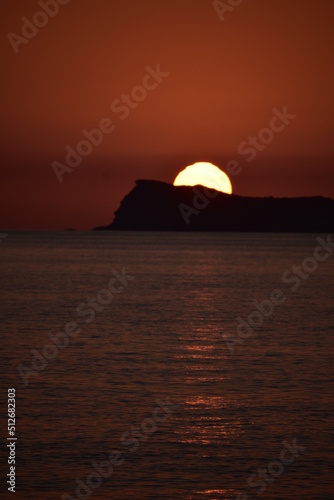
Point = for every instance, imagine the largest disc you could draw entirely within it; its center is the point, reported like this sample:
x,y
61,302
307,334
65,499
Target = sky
x,y
199,81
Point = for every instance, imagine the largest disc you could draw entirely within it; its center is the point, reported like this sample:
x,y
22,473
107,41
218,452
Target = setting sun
x,y
204,174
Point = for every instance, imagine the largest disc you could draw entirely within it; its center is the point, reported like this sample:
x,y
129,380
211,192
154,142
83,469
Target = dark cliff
x,y
158,206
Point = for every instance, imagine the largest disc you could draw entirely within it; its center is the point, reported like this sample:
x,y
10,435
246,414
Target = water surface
x,y
164,336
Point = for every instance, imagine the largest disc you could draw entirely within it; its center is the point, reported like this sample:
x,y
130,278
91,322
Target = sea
x,y
150,365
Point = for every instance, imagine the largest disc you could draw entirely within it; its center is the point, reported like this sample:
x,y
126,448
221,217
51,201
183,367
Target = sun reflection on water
x,y
206,421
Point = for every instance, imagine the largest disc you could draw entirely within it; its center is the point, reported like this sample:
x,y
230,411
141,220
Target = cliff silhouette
x,y
159,206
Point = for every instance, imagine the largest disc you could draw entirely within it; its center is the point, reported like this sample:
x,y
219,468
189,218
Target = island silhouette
x,y
158,206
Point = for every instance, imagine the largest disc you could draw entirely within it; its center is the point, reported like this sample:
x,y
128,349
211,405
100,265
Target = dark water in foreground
x,y
226,412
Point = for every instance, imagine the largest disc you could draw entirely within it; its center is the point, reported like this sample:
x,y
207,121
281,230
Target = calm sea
x,y
156,394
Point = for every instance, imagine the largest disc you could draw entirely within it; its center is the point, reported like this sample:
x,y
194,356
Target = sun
x,y
204,174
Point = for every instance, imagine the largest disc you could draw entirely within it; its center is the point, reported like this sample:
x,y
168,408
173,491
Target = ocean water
x,y
156,394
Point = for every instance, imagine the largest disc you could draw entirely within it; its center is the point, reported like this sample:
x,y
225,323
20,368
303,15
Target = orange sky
x,y
225,78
